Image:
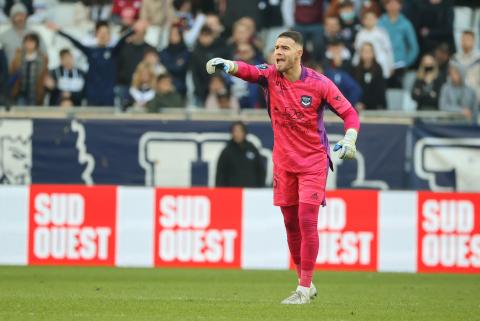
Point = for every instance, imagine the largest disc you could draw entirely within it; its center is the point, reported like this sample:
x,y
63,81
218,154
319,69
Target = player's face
x,y
287,54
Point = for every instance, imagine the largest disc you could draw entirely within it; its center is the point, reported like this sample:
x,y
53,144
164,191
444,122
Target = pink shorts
x,y
291,188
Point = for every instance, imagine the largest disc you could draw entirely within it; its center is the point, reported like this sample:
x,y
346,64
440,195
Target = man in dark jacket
x,y
207,47
102,61
240,164
129,56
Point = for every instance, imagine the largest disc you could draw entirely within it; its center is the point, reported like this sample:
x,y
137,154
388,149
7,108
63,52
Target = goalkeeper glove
x,y
218,63
347,145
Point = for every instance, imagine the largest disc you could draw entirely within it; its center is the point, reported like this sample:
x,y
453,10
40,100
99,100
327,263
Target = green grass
x,y
62,293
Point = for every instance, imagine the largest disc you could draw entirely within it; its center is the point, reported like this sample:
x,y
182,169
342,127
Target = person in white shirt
x,y
380,40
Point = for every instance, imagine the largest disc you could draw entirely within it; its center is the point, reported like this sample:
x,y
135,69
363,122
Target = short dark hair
x,y
468,32
32,37
100,24
241,124
294,35
64,52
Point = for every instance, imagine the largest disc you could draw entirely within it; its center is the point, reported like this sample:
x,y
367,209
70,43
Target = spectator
x,y
378,37
213,21
189,22
349,22
207,48
176,58
309,21
332,29
349,87
248,94
240,164
165,96
442,56
273,23
158,12
244,31
403,39
433,21
218,91
369,75
457,96
126,12
426,89
152,58
129,56
142,89
27,4
469,58
102,61
12,38
338,56
3,77
66,83
233,10
28,72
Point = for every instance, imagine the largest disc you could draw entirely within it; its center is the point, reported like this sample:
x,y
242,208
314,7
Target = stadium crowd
x,y
368,48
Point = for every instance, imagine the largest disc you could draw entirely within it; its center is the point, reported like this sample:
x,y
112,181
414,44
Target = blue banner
x,y
174,153
445,158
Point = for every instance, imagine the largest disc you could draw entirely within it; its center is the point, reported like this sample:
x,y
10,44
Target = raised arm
x,y
75,42
255,74
342,107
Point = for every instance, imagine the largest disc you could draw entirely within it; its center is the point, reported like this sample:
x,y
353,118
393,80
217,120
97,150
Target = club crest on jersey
x,y
262,66
306,101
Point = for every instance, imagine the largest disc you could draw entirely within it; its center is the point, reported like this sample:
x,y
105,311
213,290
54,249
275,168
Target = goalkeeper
x,y
296,99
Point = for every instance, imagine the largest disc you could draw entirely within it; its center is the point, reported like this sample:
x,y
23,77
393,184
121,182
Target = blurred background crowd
x,y
146,55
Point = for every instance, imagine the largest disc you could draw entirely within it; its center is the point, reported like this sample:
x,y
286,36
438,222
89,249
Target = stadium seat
x,y
395,99
463,18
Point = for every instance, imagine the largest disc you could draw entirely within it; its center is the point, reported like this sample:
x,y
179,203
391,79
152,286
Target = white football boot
x,y
300,296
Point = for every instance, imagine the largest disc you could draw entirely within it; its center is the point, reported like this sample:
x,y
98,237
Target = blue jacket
x,y
348,86
102,70
176,60
403,39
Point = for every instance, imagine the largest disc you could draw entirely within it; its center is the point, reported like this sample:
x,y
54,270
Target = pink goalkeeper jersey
x,y
296,112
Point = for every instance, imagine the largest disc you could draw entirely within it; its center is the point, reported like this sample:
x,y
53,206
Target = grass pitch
x,y
63,293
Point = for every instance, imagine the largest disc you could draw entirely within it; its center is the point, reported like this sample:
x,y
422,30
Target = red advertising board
x,y
72,225
198,227
347,230
448,232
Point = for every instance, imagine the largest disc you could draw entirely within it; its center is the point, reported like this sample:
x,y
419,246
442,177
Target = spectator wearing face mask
x,y
426,89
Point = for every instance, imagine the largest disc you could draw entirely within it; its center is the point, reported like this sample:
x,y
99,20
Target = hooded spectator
x,y
469,58
457,96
